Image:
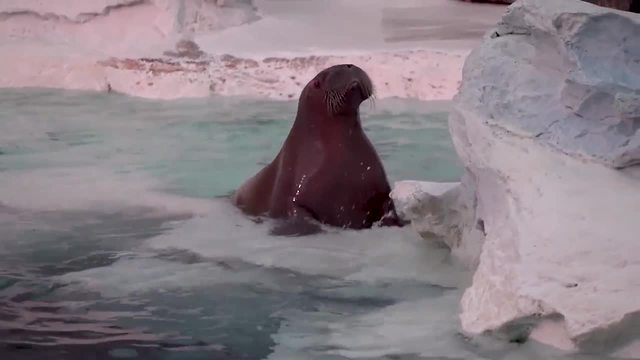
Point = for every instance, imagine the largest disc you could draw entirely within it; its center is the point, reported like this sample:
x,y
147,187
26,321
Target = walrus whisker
x,y
334,101
329,102
339,103
325,99
372,102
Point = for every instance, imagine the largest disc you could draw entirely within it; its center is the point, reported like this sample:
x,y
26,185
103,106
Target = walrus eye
x,y
316,84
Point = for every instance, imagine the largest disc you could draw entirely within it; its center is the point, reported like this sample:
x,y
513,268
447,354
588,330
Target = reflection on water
x,y
139,293
116,244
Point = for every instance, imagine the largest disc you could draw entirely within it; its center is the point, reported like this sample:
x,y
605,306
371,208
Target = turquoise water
x,y
114,243
201,148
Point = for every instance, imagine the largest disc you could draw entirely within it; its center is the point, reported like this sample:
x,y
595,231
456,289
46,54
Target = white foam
x,y
424,327
422,322
368,255
406,327
127,277
135,276
90,188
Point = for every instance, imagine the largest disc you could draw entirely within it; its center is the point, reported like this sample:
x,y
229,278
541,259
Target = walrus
x,y
327,171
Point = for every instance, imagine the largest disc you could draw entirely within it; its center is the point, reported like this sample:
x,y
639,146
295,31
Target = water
x,y
115,241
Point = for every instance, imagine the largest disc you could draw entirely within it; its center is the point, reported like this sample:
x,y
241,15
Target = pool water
x,y
117,242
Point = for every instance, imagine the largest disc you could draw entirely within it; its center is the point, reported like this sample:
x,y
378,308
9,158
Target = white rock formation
x,y
116,27
436,212
546,123
170,49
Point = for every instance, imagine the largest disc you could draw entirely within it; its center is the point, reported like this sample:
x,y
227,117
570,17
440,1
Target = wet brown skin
x,y
327,170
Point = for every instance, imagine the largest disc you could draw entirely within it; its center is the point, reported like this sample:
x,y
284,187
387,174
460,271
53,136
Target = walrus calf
x,y
327,170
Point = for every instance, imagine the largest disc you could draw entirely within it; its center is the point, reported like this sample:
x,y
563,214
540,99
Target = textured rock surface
x,y
281,78
116,27
626,5
437,212
546,124
588,60
175,48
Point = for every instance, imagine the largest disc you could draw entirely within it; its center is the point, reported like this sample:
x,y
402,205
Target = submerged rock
x,y
546,124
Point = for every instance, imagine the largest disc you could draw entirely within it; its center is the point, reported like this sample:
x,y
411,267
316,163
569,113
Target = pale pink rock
x,y
168,49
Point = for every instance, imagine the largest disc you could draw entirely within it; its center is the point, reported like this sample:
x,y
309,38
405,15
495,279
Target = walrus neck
x,y
328,126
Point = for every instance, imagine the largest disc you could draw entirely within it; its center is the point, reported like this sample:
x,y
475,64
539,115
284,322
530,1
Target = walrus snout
x,y
344,87
356,85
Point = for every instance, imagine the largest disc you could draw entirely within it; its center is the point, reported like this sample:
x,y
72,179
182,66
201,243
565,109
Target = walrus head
x,y
338,90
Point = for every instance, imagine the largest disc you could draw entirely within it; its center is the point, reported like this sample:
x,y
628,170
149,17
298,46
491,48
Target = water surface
x,y
115,242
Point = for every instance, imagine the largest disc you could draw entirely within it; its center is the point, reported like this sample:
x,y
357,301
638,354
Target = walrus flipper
x,y
300,224
391,217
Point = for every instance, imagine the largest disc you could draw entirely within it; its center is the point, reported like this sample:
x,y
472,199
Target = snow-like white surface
x,y
87,189
437,211
412,49
546,124
420,74
336,27
72,10
115,27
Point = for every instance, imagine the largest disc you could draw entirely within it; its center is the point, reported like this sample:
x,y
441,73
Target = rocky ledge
x,y
149,49
548,212
188,73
